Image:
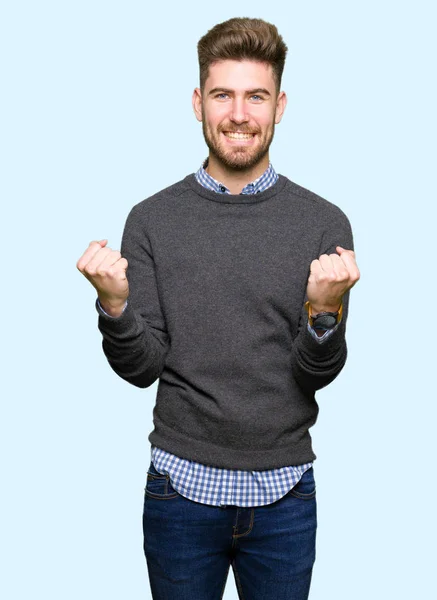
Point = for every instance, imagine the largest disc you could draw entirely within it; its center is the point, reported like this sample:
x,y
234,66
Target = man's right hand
x,y
105,269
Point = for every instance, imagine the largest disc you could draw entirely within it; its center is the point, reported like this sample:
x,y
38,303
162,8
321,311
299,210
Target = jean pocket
x,y
158,486
305,488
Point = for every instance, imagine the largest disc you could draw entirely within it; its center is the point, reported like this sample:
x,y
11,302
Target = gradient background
x,y
96,116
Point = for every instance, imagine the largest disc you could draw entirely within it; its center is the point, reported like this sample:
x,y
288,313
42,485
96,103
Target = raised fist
x,y
105,269
331,276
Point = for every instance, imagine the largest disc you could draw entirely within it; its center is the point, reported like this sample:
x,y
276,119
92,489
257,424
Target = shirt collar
x,y
266,180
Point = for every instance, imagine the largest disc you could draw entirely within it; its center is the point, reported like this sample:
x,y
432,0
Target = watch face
x,y
325,322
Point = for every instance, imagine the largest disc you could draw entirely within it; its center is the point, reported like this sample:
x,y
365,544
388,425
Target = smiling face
x,y
238,109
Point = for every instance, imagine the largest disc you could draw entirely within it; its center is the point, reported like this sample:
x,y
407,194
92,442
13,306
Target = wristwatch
x,y
324,320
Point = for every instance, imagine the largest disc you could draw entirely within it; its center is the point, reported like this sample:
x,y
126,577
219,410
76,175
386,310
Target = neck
x,y
235,180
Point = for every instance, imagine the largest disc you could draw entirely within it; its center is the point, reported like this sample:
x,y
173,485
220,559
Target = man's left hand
x,y
331,276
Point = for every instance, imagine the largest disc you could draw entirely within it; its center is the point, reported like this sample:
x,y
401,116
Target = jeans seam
x,y
252,515
160,496
303,496
166,495
237,579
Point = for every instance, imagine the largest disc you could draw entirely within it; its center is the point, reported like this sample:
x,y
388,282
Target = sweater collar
x,y
224,198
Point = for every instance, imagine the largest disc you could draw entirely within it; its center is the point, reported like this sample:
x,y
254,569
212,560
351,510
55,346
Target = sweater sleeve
x,y
315,365
136,343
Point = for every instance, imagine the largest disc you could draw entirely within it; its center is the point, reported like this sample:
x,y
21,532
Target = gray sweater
x,y
217,288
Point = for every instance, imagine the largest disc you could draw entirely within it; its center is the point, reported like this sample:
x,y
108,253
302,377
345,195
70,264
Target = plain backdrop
x,y
96,116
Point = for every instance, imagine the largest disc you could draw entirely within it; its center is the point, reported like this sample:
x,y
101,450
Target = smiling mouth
x,y
233,135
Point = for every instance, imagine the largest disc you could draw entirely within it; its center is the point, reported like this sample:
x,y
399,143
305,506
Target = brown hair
x,y
242,38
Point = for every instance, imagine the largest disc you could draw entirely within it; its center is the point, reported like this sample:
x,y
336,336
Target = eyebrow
x,y
250,92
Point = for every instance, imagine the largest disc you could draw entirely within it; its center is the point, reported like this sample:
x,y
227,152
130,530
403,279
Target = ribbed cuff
x,y
115,325
329,345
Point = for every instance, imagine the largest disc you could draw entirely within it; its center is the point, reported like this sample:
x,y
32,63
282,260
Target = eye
x,y
221,95
256,96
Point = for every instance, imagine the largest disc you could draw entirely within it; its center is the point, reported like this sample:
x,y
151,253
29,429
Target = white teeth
x,y
239,136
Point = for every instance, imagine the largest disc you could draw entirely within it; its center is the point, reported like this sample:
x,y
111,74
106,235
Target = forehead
x,y
240,75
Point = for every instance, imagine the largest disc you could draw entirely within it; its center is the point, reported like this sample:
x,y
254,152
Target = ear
x,y
281,103
197,103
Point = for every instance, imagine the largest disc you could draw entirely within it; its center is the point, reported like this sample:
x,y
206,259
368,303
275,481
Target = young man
x,y
232,287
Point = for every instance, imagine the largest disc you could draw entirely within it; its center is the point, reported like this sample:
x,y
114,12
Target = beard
x,y
238,158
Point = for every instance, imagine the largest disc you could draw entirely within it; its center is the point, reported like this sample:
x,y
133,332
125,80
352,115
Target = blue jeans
x,y
189,546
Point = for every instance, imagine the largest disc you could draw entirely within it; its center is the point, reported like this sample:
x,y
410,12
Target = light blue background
x,y
96,116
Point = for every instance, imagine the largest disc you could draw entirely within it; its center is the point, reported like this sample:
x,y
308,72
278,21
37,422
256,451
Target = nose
x,y
238,112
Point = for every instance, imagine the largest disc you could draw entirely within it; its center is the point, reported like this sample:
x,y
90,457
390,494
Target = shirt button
x,y
222,188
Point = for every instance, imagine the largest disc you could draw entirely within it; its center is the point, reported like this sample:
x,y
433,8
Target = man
x,y
231,287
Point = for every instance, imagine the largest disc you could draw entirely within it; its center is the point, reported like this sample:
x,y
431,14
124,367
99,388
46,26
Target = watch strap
x,y
312,318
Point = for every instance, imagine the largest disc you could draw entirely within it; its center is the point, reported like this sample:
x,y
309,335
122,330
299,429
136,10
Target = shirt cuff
x,y
110,316
323,337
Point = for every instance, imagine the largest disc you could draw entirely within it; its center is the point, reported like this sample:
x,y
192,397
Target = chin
x,y
244,162
239,159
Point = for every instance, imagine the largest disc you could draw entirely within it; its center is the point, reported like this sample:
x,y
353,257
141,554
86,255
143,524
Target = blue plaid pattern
x,y
267,179
220,487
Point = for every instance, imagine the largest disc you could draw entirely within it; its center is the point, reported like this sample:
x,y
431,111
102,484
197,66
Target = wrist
x,y
114,308
315,309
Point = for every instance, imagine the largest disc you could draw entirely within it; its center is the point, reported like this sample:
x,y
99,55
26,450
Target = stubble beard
x,y
239,158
